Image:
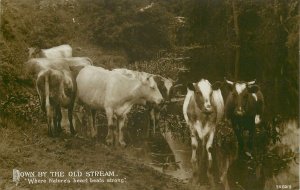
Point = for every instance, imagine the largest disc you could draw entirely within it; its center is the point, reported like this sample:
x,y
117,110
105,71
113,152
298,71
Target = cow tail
x,y
41,97
47,93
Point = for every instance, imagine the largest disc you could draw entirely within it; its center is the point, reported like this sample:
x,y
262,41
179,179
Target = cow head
x,y
242,93
31,52
203,94
164,85
151,91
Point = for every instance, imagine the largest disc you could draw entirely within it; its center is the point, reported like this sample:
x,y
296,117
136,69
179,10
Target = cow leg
x,y
152,122
224,170
194,160
58,119
110,133
70,117
54,120
209,149
252,131
49,113
157,117
121,122
239,135
94,131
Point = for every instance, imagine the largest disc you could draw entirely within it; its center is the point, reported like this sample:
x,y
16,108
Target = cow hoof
x,y
109,142
193,160
73,133
50,133
123,144
59,130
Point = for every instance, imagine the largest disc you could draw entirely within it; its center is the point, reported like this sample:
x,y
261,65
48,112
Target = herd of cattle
x,y
61,79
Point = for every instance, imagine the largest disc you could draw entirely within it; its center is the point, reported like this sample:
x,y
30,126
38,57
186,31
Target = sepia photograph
x,y
149,94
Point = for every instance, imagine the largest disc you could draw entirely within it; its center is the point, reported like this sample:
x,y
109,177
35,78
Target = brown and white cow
x,y
164,85
203,107
244,108
56,89
116,94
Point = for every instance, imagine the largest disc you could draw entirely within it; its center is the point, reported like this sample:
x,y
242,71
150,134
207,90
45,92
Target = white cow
x,y
54,52
115,93
164,85
35,65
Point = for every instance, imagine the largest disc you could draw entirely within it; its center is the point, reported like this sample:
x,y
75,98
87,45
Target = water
x,y
276,164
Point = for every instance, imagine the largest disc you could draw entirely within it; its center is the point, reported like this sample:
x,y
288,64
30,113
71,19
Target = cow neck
x,y
161,86
134,95
137,93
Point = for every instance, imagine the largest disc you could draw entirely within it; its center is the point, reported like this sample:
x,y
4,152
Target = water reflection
x,y
278,165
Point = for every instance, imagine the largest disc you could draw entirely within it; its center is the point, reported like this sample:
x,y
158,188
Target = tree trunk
x,y
237,63
235,21
235,13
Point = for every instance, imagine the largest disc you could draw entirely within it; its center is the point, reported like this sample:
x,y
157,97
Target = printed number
x,y
284,186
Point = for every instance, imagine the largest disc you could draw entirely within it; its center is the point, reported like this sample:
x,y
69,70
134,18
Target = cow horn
x,y
251,82
177,85
228,81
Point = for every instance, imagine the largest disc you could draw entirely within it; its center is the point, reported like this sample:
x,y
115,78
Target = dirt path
x,y
29,149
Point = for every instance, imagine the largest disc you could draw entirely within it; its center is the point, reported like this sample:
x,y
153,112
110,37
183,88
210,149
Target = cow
x,y
244,108
36,66
61,51
164,85
56,89
116,94
203,107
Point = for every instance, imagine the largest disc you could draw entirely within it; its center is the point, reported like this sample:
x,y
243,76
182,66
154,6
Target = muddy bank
x,y
28,149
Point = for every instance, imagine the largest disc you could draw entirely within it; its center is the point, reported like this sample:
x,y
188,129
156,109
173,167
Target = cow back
x,y
36,65
61,51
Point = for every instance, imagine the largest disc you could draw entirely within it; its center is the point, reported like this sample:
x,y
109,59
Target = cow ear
x,y
146,79
217,85
228,82
253,88
191,86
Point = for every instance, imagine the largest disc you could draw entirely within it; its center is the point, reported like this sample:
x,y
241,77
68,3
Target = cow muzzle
x,y
208,109
159,101
239,112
